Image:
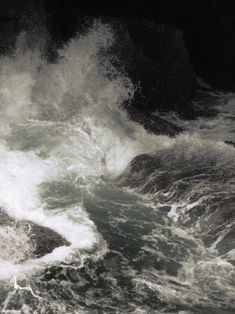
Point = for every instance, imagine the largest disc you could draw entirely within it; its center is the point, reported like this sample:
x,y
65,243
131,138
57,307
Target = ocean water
x,y
149,218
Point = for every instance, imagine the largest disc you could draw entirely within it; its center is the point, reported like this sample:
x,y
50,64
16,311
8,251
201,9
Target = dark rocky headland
x,y
162,45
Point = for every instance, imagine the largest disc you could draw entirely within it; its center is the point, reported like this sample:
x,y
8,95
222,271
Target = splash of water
x,y
63,129
64,121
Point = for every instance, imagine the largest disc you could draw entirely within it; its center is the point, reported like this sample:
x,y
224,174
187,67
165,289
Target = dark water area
x,y
145,223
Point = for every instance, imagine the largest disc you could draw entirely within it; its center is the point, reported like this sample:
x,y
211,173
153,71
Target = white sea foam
x,y
64,119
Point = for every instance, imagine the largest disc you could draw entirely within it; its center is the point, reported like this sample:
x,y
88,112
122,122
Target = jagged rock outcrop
x,y
21,239
156,60
154,123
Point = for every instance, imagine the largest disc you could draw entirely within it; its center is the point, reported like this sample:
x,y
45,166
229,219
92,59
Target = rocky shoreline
x,y
21,239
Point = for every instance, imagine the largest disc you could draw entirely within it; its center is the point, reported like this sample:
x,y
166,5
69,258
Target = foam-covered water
x,y
150,233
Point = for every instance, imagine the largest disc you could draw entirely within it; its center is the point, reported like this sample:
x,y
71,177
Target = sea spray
x,y
142,228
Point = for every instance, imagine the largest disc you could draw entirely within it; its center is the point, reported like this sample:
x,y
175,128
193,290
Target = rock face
x,y
153,123
208,26
21,240
155,58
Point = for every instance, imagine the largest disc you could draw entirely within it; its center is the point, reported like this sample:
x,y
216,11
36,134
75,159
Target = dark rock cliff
x,y
161,44
155,58
208,26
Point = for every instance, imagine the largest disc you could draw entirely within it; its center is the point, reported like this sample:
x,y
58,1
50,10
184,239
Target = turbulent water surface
x,y
146,222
